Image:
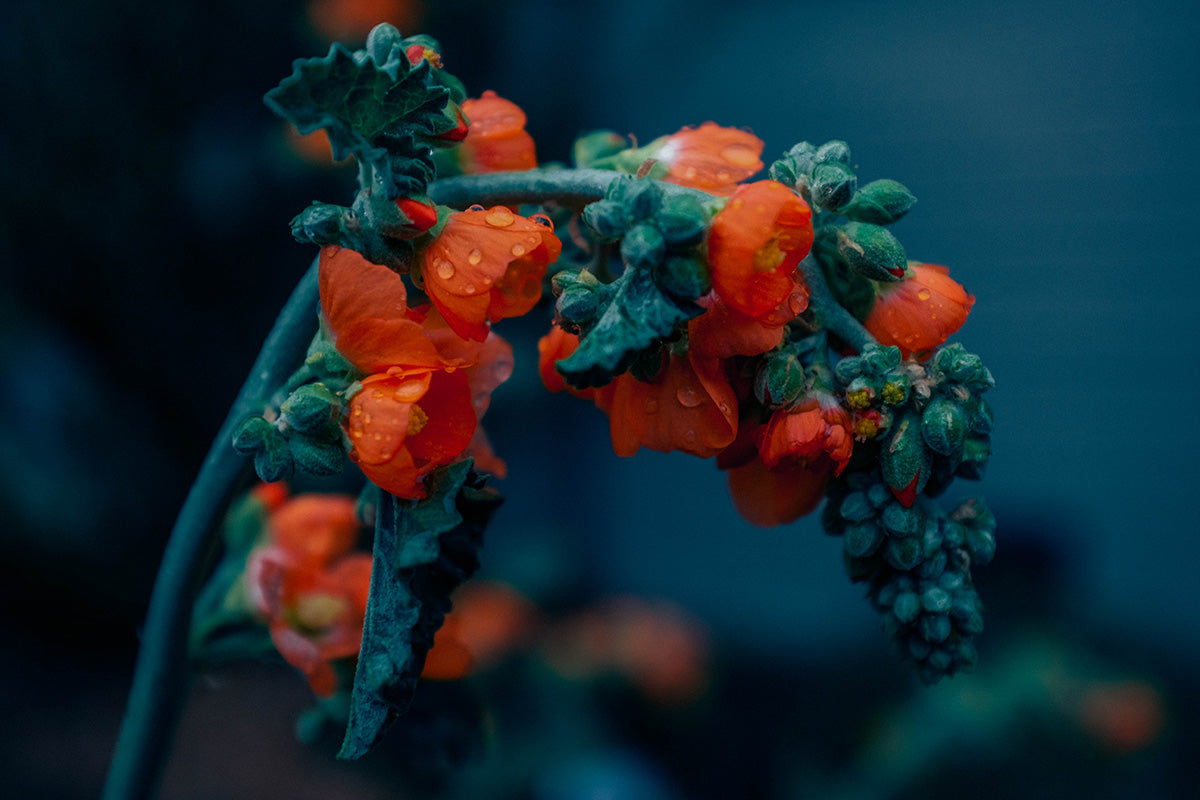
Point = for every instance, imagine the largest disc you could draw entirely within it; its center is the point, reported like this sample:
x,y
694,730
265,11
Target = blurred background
x,y
144,203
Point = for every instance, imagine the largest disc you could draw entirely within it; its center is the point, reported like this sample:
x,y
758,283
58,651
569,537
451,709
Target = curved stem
x,y
829,312
568,187
160,678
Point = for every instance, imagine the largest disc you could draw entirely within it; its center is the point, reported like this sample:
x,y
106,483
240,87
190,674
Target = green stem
x,y
568,187
160,678
830,314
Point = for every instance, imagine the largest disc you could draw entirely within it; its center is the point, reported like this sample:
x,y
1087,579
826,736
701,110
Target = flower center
x,y
768,257
416,420
319,611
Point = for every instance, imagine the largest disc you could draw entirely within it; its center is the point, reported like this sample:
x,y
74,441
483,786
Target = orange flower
x,y
711,158
754,246
365,309
487,264
689,406
723,332
496,140
488,620
919,313
815,433
403,426
309,585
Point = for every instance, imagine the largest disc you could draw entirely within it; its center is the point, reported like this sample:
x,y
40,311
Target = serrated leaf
x,y
638,315
423,551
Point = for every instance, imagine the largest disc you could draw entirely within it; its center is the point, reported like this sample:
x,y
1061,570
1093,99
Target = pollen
x,y
416,420
768,257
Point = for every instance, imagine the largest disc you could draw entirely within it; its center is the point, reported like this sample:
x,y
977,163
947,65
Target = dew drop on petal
x,y
923,295
687,397
724,176
499,217
689,173
445,270
689,436
543,220
737,203
740,155
487,280
723,407
796,303
518,250
469,288
475,207
474,257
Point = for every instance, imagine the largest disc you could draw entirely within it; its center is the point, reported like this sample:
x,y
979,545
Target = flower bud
x,y
252,435
683,277
643,247
317,457
833,151
780,381
310,409
976,451
872,251
642,199
880,202
944,426
833,185
606,218
905,460
274,461
681,221
862,539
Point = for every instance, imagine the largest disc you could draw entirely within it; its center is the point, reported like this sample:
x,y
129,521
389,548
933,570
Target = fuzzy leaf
x,y
638,316
423,551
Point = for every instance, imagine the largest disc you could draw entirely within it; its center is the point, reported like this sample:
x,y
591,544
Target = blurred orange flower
x,y
711,158
754,246
723,332
553,347
309,585
352,20
487,264
496,140
919,313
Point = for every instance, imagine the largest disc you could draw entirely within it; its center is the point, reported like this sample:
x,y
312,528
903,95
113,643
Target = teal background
x,y
1053,149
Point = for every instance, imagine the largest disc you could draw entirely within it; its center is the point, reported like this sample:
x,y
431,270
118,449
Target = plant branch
x,y
830,314
569,187
160,678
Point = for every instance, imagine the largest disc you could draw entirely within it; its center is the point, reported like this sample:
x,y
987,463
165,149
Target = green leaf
x,y
638,316
423,551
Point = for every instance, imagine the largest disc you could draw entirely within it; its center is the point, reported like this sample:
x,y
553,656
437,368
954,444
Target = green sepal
x,y
852,291
682,221
606,219
638,315
944,426
871,250
580,299
423,551
880,202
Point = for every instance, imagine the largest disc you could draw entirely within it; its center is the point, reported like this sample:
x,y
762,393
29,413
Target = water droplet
x,y
740,155
469,288
796,303
543,220
377,394
366,420
761,208
689,173
737,203
474,257
923,295
651,405
723,176
357,412
518,250
689,436
357,433
687,397
379,437
487,280
445,270
475,207
499,217
723,406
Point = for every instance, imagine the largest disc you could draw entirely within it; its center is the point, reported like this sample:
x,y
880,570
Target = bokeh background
x,y
1053,147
